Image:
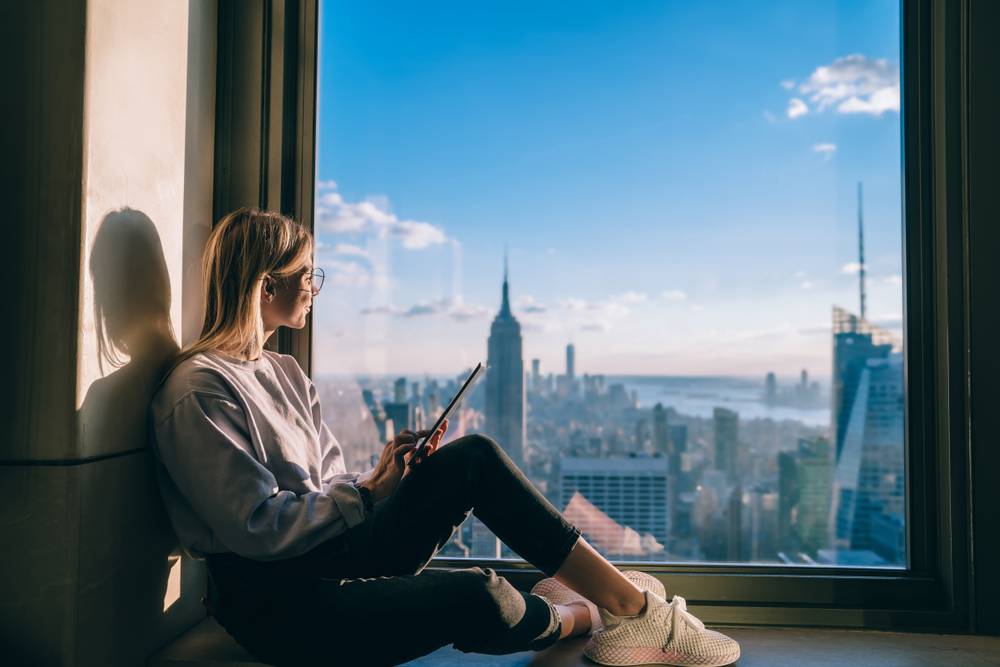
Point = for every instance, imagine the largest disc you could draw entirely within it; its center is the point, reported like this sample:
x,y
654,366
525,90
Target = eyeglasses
x,y
315,278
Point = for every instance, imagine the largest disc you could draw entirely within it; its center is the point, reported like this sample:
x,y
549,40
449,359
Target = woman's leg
x,y
469,474
510,506
589,574
285,618
473,473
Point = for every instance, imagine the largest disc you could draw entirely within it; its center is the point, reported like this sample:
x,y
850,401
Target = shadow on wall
x,y
134,583
134,336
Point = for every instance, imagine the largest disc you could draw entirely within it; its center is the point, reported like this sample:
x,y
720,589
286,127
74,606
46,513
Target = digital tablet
x,y
476,372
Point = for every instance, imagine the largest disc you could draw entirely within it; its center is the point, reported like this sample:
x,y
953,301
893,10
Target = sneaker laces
x,y
681,619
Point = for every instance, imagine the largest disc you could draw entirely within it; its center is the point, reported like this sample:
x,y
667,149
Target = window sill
x,y
781,596
208,645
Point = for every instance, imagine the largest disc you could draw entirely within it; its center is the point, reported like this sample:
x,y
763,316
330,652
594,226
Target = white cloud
x,y
851,268
326,185
674,294
334,215
788,84
806,285
382,310
573,313
415,235
895,279
826,149
466,312
424,308
602,310
853,84
347,274
796,108
454,308
629,297
527,304
770,116
347,249
800,274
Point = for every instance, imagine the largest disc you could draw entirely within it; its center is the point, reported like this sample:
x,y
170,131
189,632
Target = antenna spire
x,y
505,313
861,251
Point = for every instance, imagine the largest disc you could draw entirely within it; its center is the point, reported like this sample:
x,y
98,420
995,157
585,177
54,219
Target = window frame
x,y
265,110
265,156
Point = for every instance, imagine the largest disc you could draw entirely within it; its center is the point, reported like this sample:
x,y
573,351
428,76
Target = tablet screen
x,y
476,372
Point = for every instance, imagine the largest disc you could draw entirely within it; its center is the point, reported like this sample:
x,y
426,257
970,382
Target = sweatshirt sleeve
x,y
205,447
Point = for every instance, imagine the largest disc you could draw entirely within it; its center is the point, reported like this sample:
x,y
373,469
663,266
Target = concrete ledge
x,y
205,645
208,645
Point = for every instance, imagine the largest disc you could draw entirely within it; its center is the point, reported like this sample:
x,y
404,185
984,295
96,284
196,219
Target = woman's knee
x,y
494,600
479,444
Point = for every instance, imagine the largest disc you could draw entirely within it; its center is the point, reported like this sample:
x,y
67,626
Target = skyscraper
x,y
570,361
631,491
505,382
869,477
400,413
789,492
813,514
854,340
680,459
734,544
661,433
725,422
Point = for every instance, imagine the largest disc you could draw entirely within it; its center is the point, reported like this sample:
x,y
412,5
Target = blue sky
x,y
676,181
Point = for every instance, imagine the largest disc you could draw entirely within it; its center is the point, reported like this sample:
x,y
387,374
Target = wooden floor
x,y
208,645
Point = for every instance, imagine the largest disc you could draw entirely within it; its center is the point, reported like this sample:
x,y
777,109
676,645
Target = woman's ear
x,y
267,289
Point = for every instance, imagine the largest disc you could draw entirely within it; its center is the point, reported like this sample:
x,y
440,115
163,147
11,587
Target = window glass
x,y
673,230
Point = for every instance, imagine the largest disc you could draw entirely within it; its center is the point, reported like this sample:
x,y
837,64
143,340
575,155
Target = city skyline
x,y
659,484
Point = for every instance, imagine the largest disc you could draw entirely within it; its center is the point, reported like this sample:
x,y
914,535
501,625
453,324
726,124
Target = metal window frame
x,y
265,156
265,138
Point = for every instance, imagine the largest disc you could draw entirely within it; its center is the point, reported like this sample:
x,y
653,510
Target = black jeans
x,y
361,597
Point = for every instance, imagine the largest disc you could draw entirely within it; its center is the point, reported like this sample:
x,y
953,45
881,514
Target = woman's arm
x,y
205,446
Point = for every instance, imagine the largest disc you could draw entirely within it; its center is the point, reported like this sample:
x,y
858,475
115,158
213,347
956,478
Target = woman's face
x,y
287,301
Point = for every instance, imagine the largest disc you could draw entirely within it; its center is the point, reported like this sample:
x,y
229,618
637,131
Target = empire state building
x,y
505,382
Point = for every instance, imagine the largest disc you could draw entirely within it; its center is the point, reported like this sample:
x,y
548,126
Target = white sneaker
x,y
665,634
558,594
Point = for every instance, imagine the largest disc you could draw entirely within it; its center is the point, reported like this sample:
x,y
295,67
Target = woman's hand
x,y
392,464
428,449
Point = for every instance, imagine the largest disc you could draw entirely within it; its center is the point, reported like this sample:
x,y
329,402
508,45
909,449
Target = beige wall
x,y
115,204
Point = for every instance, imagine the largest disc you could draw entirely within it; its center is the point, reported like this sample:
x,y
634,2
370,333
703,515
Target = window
x,y
674,232
267,51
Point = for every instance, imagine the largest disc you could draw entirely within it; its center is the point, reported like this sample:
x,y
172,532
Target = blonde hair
x,y
244,247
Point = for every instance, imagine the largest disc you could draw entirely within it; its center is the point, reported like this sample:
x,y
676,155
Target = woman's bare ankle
x,y
581,620
630,606
575,620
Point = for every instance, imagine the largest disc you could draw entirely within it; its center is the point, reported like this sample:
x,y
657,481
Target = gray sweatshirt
x,y
244,460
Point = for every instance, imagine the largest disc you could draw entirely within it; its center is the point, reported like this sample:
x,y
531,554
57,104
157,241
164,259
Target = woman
x,y
311,564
